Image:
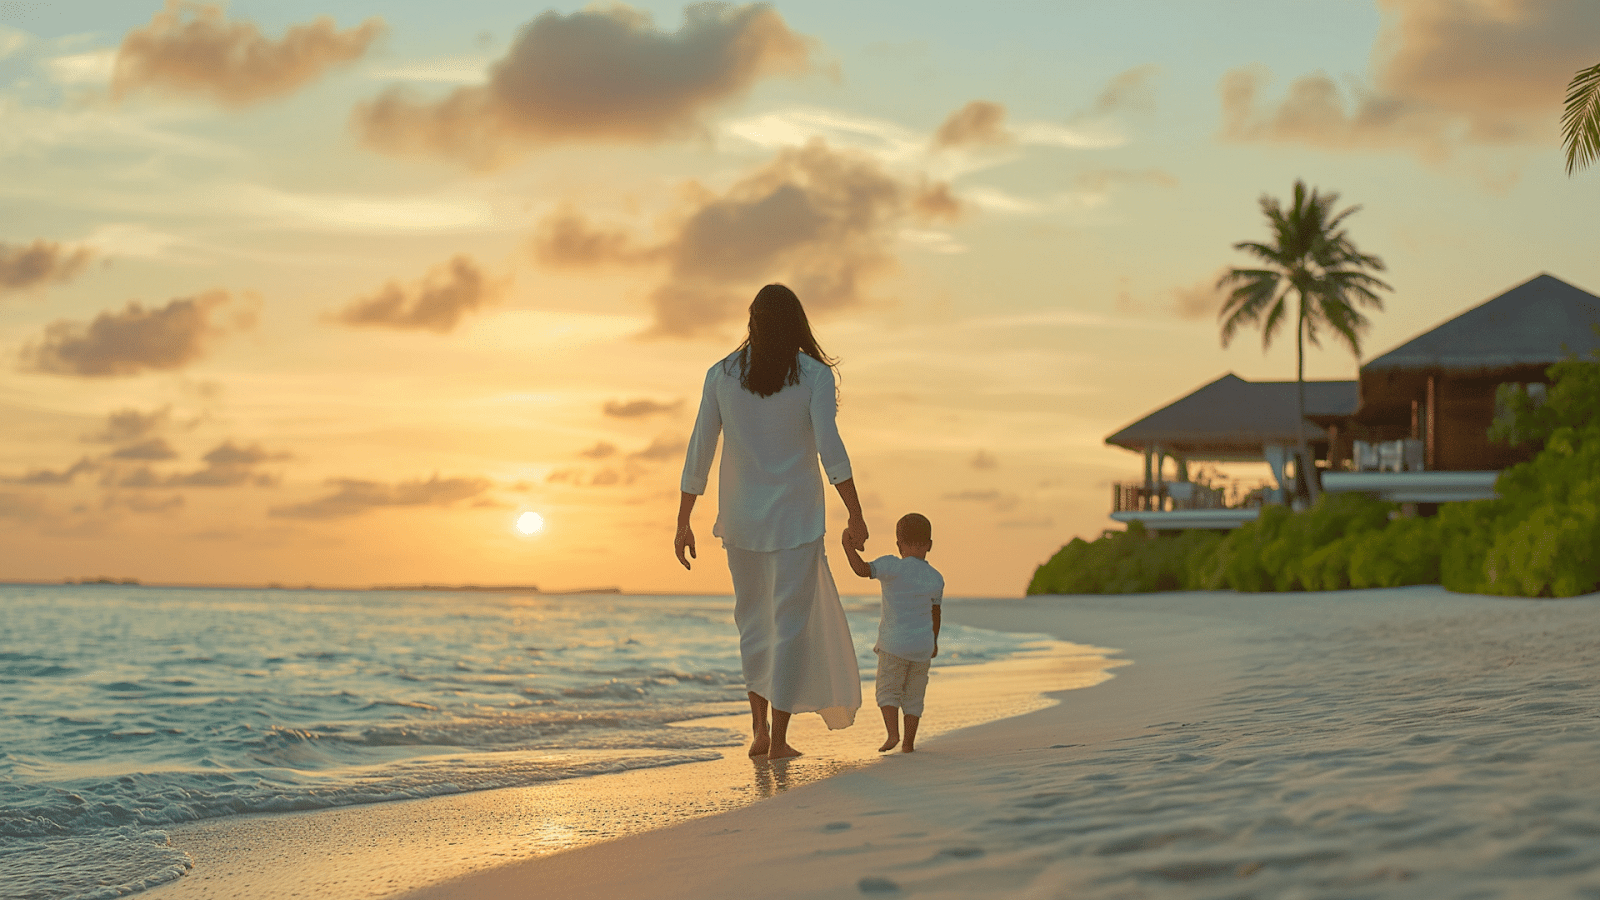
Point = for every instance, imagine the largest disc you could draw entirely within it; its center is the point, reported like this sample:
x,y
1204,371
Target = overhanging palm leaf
x,y
1312,256
1580,122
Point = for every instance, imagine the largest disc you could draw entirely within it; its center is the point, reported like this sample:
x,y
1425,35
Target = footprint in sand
x,y
837,826
876,885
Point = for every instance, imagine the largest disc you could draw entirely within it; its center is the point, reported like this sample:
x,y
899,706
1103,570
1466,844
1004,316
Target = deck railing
x,y
1166,496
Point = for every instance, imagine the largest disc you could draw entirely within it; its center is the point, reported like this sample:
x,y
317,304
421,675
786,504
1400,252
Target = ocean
x,y
130,709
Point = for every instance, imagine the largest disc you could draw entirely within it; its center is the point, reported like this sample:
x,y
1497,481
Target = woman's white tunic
x,y
794,641
769,492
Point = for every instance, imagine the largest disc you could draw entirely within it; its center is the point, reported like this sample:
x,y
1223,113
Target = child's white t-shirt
x,y
911,589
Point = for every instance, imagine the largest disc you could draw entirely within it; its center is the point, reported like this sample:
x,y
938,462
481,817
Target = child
x,y
908,633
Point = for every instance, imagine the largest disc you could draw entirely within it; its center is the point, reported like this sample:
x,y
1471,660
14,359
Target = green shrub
x,y
1406,552
1328,568
1124,562
1539,538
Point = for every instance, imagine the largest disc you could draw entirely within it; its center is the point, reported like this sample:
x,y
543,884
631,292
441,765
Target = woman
x,y
775,399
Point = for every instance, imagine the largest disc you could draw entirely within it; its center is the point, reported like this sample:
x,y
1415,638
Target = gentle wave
x,y
133,709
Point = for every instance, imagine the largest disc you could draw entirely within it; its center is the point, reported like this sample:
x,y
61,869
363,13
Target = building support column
x,y
1149,482
1430,417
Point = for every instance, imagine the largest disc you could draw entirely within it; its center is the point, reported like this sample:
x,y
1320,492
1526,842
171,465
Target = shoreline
x,y
1384,743
392,849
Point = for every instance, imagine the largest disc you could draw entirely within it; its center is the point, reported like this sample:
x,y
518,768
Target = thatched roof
x,y
1231,418
1536,323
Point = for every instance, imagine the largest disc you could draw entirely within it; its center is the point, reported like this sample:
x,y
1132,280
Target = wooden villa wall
x,y
1396,405
1462,416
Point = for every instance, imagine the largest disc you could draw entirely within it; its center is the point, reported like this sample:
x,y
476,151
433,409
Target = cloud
x,y
983,460
39,263
226,465
601,450
191,49
1129,90
1000,502
22,507
601,74
152,449
12,40
1446,74
94,67
354,496
821,220
131,425
1201,300
565,239
435,303
660,449
228,455
129,342
980,122
48,476
1102,180
141,504
636,409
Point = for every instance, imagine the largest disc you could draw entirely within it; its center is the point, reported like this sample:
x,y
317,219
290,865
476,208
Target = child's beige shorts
x,y
902,682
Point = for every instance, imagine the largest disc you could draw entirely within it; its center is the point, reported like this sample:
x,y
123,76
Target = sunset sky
x,y
305,292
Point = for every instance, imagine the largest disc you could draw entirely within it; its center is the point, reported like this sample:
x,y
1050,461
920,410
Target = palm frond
x,y
1310,253
1580,122
1246,303
1275,319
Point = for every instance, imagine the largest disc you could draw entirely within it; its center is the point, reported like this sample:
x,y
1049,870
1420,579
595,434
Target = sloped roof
x,y
1232,414
1536,323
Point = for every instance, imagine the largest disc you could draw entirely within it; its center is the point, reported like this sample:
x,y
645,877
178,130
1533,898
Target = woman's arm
x,y
685,538
697,464
855,531
835,461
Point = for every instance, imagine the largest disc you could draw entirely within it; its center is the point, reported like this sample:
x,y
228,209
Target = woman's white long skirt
x,y
793,638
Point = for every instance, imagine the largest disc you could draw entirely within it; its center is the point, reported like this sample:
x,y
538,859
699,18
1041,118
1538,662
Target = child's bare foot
x,y
890,744
908,748
782,751
760,745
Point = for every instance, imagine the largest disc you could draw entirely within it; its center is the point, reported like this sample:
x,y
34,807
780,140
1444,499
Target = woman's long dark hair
x,y
769,358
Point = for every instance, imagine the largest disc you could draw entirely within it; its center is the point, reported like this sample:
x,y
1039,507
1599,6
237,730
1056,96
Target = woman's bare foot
x,y
760,745
782,751
890,744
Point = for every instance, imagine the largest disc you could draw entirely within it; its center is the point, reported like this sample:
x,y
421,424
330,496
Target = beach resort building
x,y
1412,429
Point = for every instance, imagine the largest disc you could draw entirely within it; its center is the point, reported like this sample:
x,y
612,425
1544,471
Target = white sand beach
x,y
1396,743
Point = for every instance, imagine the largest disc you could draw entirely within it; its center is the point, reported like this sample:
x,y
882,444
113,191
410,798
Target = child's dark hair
x,y
914,528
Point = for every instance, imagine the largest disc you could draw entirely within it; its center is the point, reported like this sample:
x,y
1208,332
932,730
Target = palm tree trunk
x,y
1300,376
1304,473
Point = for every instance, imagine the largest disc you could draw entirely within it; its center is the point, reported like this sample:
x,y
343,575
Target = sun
x,y
530,523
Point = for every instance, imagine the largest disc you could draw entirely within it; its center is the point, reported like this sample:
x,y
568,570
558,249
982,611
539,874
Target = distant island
x,y
101,580
489,588
279,586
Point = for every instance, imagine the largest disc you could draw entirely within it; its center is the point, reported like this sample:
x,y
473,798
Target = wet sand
x,y
1401,743
391,849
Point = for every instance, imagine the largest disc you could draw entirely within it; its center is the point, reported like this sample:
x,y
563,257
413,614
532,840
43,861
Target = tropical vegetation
x,y
1540,538
1580,121
1311,256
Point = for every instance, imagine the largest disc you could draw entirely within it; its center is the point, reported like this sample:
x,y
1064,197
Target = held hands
x,y
684,540
855,534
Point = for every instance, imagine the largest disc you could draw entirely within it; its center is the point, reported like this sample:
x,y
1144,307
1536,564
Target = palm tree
x,y
1312,257
1580,123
